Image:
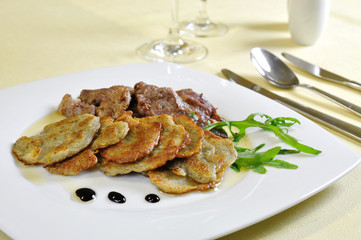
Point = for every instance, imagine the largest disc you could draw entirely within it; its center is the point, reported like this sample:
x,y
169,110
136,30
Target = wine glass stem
x,y
202,18
174,36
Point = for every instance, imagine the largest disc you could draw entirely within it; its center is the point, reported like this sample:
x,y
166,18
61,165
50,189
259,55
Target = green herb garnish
x,y
252,159
275,125
191,114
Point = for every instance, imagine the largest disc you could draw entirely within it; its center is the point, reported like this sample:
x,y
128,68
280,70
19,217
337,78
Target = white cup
x,y
307,20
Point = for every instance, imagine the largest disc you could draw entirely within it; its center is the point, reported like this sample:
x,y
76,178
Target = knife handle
x,y
350,106
341,80
336,124
353,84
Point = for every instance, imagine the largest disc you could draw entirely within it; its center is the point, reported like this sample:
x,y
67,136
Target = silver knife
x,y
334,123
321,73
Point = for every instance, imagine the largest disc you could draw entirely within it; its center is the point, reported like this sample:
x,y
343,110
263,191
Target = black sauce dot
x,y
116,197
85,194
152,198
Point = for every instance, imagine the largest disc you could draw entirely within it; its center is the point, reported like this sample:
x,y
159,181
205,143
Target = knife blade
x,y
332,122
320,72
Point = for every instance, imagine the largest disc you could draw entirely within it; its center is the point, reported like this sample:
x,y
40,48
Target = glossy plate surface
x,y
37,205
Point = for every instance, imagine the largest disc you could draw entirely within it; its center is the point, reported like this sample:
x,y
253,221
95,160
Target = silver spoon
x,y
276,72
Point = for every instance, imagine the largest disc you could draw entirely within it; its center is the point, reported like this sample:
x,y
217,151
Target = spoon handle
x,y
354,108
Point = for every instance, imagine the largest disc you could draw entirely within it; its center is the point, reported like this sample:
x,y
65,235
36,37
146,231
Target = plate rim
x,y
188,71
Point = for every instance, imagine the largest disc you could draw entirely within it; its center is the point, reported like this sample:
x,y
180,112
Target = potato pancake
x,y
196,136
172,138
199,172
217,154
169,182
57,141
141,139
74,165
110,133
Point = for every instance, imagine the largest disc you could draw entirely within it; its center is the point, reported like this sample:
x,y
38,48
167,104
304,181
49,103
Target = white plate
x,y
42,206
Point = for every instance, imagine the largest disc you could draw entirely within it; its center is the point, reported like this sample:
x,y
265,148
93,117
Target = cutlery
x,y
320,72
278,73
334,123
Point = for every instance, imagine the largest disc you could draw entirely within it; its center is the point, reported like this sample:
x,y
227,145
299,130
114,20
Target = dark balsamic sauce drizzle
x,y
116,197
152,198
85,194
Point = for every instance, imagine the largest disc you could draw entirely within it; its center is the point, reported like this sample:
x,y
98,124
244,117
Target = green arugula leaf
x,y
281,164
287,151
252,159
191,114
276,125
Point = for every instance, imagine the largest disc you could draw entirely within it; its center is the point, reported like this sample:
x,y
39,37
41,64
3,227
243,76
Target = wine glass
x,y
173,48
202,26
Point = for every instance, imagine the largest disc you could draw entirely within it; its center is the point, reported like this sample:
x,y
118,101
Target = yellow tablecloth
x,y
41,39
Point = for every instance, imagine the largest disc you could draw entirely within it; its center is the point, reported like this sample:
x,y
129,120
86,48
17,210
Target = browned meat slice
x,y
202,108
111,101
70,108
102,102
74,165
93,97
139,142
196,135
153,100
173,138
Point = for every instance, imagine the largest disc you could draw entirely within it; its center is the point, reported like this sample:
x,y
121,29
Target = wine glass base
x,y
209,29
162,51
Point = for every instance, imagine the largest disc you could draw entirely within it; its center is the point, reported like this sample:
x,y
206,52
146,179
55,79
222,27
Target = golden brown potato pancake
x,y
139,142
74,165
172,138
127,117
169,182
110,133
196,135
177,167
58,141
199,172
209,165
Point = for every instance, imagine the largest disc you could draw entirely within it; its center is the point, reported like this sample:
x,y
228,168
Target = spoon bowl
x,y
273,69
278,73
